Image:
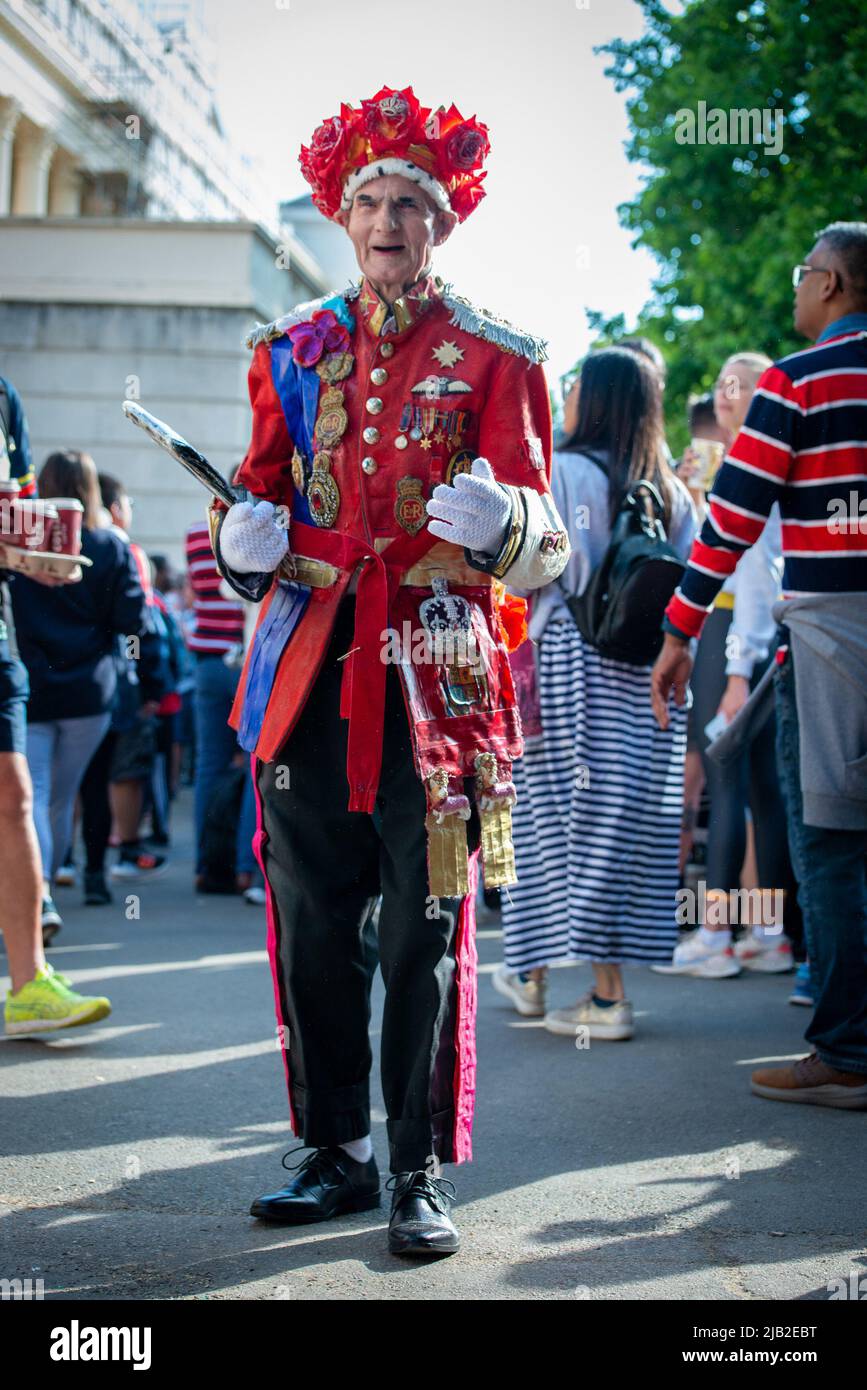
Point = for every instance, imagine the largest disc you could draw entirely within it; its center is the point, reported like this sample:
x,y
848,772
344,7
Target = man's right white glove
x,y
251,542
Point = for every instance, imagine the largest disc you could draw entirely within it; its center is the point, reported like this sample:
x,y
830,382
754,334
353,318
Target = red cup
x,y
28,523
9,490
66,535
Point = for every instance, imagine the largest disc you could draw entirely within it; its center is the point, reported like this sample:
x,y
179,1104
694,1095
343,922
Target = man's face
x,y
814,295
394,227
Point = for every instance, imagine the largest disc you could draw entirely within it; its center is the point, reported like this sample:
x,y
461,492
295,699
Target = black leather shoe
x,y
328,1183
420,1223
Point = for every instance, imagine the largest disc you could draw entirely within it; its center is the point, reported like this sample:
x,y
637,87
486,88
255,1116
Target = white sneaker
x,y
695,957
255,896
528,997
769,955
613,1023
65,876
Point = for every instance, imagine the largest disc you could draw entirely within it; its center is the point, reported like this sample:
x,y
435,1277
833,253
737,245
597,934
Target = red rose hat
x,y
392,134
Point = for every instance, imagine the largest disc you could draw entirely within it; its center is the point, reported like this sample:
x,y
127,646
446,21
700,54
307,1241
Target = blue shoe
x,y
802,992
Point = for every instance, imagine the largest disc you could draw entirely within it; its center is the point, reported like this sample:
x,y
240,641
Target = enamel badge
x,y
409,507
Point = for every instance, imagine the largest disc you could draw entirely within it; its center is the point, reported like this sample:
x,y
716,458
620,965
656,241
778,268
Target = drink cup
x,y
28,522
66,533
711,452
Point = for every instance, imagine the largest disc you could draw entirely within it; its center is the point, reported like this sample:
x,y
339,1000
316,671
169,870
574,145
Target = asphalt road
x,y
129,1152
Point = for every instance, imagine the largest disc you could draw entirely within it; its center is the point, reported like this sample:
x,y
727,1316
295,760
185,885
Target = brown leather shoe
x,y
811,1082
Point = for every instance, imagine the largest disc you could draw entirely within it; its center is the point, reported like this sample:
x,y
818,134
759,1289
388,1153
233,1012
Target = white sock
x,y
359,1149
719,939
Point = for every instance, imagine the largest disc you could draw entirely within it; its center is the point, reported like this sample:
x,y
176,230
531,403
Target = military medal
x,y
323,494
409,507
332,420
298,476
335,367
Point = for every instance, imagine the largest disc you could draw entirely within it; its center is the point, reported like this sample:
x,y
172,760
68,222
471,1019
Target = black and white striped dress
x,y
597,821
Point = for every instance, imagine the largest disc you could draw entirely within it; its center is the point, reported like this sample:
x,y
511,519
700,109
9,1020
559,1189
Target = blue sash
x,y
287,608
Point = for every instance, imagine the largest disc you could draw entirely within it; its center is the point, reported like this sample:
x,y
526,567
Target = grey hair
x,y
848,241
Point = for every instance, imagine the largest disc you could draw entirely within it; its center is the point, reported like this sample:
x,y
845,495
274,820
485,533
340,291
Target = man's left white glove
x,y
250,539
474,513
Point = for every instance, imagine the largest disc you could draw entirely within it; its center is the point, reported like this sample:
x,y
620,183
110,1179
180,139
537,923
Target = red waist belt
x,y
362,692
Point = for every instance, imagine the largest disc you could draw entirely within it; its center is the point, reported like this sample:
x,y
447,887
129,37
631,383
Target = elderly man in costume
x,y
398,471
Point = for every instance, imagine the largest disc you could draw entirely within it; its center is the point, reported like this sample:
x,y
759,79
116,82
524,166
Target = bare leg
x,y
20,872
608,981
126,806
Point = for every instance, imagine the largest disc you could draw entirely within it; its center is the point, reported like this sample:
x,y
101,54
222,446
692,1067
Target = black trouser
x,y
750,781
326,866
95,804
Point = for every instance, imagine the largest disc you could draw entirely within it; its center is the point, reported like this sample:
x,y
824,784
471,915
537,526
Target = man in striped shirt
x,y
804,445
217,642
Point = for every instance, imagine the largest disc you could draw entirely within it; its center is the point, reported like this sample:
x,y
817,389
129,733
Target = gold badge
x,y
323,494
332,420
409,508
461,461
335,367
298,477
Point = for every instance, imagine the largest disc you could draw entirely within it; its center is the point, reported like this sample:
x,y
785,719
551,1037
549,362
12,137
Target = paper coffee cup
x,y
28,523
66,534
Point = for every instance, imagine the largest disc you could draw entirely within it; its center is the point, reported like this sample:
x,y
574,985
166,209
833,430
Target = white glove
x,y
474,512
251,542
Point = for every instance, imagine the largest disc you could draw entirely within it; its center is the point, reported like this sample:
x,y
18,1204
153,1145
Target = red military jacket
x,y
422,390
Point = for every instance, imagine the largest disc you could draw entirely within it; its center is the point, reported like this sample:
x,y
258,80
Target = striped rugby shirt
x,y
803,444
219,622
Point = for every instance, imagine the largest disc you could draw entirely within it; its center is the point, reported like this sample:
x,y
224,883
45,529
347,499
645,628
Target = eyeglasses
x,y
801,270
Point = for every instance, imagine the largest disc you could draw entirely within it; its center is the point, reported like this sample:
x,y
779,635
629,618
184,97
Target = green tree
x,y
726,222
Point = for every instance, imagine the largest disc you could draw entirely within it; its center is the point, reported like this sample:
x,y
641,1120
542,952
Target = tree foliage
x,y
726,223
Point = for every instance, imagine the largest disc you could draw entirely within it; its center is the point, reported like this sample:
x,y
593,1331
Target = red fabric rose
x,y
322,333
391,120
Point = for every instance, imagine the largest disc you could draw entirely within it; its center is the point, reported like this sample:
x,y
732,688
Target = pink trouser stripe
x,y
465,1022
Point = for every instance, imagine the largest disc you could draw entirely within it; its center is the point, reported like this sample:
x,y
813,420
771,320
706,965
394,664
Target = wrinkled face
x,y
732,393
394,226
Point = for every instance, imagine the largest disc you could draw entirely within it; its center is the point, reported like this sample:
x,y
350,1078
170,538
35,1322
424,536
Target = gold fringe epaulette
x,y
483,324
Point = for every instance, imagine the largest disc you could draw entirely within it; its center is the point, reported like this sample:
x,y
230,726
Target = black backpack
x,y
621,610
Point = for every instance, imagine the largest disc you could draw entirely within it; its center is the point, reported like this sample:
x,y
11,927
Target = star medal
x,y
409,508
323,495
335,367
448,353
332,420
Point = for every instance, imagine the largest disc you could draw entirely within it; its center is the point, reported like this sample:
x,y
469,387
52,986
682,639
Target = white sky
x,y
545,241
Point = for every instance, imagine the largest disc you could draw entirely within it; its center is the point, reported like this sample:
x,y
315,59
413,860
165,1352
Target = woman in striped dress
x,y
597,822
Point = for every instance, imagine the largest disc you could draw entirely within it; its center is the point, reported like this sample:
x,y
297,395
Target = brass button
x,y
387,349
401,442
369,465
370,434
373,405
379,376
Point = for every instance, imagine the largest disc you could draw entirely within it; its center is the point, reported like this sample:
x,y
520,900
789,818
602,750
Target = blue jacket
x,y
67,637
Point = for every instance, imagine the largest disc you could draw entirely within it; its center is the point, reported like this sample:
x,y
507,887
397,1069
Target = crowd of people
x,y
131,673
625,798
119,682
